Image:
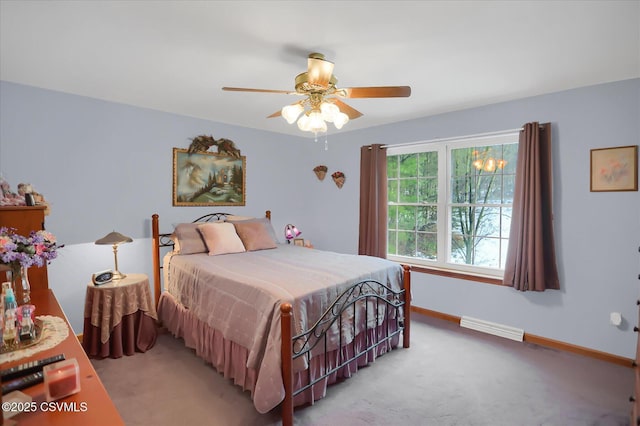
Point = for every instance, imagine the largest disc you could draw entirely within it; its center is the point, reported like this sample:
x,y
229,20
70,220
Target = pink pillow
x,y
187,239
221,238
254,235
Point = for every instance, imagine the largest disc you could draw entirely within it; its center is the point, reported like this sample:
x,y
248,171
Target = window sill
x,y
456,274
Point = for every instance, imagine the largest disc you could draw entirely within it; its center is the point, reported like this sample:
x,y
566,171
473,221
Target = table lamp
x,y
115,239
290,232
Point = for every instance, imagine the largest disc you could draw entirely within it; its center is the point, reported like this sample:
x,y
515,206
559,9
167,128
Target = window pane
x,y
392,190
392,217
427,217
392,166
408,165
487,253
477,207
488,221
427,246
407,218
391,242
406,243
428,164
477,251
463,189
508,187
428,190
408,192
489,189
506,222
461,160
510,156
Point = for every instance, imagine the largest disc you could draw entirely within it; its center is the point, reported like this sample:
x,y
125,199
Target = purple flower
x,y
17,250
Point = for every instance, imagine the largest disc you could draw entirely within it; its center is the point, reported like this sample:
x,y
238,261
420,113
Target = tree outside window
x,y
450,203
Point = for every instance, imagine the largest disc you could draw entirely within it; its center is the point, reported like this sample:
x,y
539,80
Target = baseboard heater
x,y
501,330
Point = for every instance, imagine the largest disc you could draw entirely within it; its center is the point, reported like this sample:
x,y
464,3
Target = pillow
x,y
264,220
187,239
221,238
254,235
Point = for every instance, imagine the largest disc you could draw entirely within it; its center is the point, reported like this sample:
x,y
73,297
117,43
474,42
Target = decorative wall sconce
x,y
291,232
338,178
320,171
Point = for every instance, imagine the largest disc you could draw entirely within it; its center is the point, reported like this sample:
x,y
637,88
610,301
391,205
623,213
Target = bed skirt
x,y
230,358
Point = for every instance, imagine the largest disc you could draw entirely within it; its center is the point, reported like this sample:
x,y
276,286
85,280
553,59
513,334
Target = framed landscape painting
x,y
208,179
614,169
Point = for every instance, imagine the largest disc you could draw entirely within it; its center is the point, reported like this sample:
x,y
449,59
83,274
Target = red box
x,y
61,379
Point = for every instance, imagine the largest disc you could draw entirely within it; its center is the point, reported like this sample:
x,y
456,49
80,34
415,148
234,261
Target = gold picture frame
x,y
208,179
614,169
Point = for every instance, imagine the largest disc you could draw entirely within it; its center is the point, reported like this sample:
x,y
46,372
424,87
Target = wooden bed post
x,y
287,364
268,214
155,246
406,334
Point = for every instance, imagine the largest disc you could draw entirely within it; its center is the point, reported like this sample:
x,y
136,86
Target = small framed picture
x,y
298,242
614,169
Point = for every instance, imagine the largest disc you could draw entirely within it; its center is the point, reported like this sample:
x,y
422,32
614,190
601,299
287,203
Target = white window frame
x,y
444,147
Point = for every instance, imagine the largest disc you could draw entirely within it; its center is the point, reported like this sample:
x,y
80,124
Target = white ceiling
x,y
176,55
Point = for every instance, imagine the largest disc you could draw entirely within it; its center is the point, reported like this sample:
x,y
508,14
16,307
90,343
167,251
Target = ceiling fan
x,y
321,103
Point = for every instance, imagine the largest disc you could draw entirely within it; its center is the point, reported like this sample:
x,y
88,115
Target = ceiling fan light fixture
x,y
329,111
340,120
292,112
316,122
304,123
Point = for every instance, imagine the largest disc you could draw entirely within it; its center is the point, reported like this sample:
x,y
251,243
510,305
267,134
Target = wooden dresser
x,y
91,406
24,220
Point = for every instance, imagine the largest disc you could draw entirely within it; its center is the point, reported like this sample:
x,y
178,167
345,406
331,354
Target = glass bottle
x,y
9,333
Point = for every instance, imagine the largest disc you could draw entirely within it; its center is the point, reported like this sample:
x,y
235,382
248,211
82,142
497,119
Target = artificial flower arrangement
x,y
17,251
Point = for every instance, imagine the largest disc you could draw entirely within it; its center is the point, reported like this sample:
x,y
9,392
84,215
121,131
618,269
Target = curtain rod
x,y
477,135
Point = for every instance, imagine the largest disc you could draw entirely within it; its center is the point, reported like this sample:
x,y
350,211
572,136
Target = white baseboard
x,y
501,330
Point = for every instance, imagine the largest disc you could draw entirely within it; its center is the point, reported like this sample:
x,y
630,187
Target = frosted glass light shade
x,y
340,120
316,122
329,111
291,112
304,123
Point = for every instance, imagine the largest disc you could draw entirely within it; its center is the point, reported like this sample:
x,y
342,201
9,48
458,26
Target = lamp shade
x,y
113,238
290,232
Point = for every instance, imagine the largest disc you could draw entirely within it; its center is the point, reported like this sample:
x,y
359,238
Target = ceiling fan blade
x,y
244,89
275,114
319,70
351,112
375,92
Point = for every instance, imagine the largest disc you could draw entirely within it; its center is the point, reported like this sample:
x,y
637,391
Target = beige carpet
x,y
449,376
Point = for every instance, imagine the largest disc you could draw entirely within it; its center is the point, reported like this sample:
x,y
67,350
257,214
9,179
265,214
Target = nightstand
x,y
119,318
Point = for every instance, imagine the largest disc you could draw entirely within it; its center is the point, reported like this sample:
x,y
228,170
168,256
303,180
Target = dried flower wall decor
x,y
338,178
320,171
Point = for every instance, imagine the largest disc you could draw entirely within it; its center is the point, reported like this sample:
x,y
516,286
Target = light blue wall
x,y
597,234
106,166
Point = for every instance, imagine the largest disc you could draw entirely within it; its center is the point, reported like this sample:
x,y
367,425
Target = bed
x,y
282,321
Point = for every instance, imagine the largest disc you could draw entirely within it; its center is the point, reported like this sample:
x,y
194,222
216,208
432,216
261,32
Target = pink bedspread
x,y
239,296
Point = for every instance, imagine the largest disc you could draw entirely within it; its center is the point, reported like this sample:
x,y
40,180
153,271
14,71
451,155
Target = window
x,y
449,203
